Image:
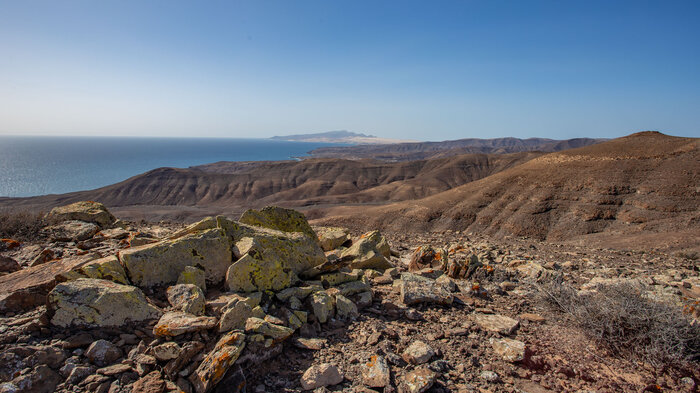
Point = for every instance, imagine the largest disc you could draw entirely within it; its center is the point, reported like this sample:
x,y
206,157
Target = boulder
x,y
331,238
107,268
44,256
186,297
274,331
370,251
27,288
88,303
322,305
71,231
167,351
39,380
175,323
234,316
193,275
152,382
496,323
320,375
217,362
376,373
345,308
510,350
164,261
258,273
87,211
298,251
418,353
417,289
426,256
278,218
103,353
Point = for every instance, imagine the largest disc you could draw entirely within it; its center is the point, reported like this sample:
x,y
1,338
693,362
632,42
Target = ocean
x,y
32,165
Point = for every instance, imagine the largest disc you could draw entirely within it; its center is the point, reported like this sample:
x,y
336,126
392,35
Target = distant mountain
x,y
341,136
426,150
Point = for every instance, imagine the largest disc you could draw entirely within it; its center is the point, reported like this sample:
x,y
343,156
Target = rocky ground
x,y
108,306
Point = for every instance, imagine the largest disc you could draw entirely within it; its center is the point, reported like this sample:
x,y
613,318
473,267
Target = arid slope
x,y
640,184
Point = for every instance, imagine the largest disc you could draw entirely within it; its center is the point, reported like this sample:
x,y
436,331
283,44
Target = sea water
x,y
33,165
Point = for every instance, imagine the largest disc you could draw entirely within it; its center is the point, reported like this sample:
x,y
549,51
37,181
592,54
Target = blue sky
x,y
426,70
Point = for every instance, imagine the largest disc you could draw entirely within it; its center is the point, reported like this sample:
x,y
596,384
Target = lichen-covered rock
x,y
320,375
426,256
90,302
418,353
186,297
167,351
331,238
175,323
337,278
298,292
496,323
417,289
71,231
257,273
107,268
376,373
510,350
276,332
163,262
418,381
217,362
345,308
322,305
87,211
234,316
370,251
193,275
298,251
279,218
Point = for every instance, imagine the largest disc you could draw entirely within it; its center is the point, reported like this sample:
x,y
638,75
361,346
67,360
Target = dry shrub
x,y
626,321
22,225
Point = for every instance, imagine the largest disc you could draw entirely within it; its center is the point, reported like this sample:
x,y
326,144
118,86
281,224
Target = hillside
x,y
426,150
645,183
233,186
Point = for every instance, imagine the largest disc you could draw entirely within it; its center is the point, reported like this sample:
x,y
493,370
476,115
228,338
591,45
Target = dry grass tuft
x,y
626,321
22,226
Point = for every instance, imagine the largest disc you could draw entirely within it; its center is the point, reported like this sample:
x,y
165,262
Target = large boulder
x,y
279,218
251,274
370,251
107,268
87,211
71,231
27,288
331,238
89,303
163,262
418,289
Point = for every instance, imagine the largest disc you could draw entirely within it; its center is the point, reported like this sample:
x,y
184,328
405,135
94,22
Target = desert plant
x,y
627,321
22,225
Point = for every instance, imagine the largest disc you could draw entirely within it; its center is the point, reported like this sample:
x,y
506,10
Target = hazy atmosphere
x,y
409,70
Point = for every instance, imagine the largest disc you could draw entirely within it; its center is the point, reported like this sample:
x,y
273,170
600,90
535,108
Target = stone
x,y
71,231
189,351
370,251
331,238
217,362
418,353
40,380
489,376
78,374
320,375
77,341
418,381
193,275
298,292
310,343
255,273
166,351
103,353
337,278
354,287
462,268
8,265
114,369
426,256
88,302
364,299
87,211
376,373
276,332
107,268
152,382
234,316
447,283
163,262
344,307
188,298
175,323
510,350
278,218
532,317
28,288
323,306
417,289
496,323
44,256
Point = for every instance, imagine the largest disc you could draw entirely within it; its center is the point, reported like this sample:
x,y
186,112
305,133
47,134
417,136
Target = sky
x,y
423,70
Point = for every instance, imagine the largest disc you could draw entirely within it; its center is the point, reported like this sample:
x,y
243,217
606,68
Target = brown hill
x,y
637,185
234,186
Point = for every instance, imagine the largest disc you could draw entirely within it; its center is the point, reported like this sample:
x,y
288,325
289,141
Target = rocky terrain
x,y
269,303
